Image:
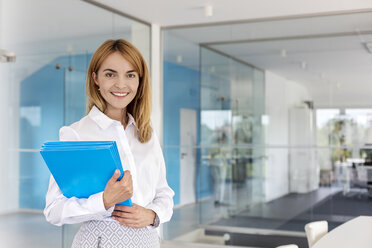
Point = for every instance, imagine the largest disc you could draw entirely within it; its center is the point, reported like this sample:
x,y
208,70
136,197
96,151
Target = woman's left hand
x,y
136,216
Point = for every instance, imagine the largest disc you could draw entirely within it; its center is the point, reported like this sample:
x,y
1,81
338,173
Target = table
x,y
355,233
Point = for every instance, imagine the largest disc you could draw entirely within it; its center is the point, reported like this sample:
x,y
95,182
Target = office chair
x,y
315,231
287,246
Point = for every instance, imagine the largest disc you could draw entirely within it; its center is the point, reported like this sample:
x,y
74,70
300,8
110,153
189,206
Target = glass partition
x,y
45,90
282,134
231,109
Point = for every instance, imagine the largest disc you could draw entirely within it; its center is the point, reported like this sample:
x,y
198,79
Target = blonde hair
x,y
140,106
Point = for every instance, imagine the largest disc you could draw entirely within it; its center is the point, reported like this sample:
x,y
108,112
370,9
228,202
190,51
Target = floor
x,y
282,221
28,229
272,215
208,224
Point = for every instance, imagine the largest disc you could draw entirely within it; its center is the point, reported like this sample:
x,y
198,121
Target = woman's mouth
x,y
120,94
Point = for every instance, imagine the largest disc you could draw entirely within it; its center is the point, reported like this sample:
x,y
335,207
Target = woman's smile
x,y
120,94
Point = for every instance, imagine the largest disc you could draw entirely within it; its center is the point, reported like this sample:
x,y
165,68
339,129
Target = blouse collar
x,y
104,121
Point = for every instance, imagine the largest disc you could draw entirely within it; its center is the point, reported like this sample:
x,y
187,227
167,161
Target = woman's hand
x,y
135,216
118,191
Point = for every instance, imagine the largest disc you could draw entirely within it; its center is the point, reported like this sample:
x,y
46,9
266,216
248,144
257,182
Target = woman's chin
x,y
116,107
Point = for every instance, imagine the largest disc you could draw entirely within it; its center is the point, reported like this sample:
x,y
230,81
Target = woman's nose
x,y
121,82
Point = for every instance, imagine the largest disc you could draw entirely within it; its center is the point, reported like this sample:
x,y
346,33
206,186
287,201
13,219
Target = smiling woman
x,y
117,83
119,105
118,68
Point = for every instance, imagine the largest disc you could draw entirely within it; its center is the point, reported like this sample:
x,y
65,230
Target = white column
x,y
1,24
156,81
9,174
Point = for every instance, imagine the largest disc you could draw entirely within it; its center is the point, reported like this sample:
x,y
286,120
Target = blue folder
x,y
82,168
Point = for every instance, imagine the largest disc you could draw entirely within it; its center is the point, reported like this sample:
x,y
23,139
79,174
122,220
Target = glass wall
x,y
232,105
46,90
281,135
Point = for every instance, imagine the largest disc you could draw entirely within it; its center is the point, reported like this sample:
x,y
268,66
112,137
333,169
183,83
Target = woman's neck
x,y
118,115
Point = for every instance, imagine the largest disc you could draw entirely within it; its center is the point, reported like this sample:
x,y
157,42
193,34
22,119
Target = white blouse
x,y
144,160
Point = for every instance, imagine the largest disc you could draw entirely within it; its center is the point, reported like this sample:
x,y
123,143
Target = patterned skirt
x,y
107,234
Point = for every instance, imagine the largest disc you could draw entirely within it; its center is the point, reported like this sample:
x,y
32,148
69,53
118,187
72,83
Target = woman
x,y
119,105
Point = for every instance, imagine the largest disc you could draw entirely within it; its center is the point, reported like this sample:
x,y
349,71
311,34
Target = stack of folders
x,y
82,168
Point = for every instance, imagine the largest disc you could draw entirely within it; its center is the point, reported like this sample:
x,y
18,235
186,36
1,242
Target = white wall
x,y
8,161
9,177
280,94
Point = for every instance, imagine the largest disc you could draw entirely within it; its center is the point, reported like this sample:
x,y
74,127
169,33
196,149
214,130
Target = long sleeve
x,y
162,203
61,210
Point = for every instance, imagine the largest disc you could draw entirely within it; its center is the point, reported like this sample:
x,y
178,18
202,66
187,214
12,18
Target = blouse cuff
x,y
157,212
97,206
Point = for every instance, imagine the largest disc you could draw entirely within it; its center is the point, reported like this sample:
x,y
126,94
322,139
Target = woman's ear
x,y
94,76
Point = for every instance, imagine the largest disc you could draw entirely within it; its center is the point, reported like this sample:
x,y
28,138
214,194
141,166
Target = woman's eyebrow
x,y
113,71
110,70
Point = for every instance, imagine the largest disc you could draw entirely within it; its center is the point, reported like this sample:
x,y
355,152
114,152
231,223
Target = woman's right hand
x,y
118,191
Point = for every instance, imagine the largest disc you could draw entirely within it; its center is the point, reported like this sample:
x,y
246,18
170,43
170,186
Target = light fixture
x,y
208,10
179,59
283,53
303,65
7,56
368,46
69,48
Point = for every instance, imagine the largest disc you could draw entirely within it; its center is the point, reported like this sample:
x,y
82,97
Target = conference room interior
x,y
266,125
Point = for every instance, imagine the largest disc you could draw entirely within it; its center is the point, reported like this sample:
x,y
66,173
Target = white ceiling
x,y
342,61
340,64
338,68
181,12
278,28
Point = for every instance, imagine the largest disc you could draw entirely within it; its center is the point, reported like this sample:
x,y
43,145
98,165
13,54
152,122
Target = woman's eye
x,y
109,74
131,75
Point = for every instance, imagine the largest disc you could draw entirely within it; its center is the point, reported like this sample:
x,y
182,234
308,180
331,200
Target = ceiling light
x,y
303,65
283,53
69,48
208,10
179,59
368,46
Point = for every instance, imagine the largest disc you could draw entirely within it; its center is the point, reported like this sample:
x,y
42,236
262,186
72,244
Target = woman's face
x,y
117,81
